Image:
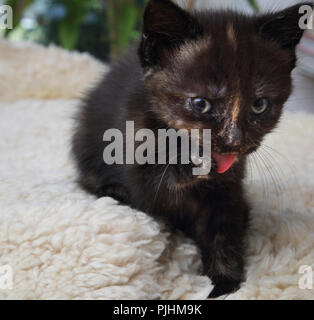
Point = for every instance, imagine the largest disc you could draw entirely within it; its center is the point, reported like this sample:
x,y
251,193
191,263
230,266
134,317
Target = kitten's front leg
x,y
220,234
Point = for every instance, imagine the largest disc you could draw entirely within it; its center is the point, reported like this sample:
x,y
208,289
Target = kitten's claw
x,y
225,287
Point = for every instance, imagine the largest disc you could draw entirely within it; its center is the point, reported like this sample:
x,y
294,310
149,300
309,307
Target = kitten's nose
x,y
234,137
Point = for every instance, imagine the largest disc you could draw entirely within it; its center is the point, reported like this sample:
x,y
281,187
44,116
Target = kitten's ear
x,y
283,27
165,26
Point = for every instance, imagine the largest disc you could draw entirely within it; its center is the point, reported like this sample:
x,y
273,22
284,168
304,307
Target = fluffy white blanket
x,y
61,243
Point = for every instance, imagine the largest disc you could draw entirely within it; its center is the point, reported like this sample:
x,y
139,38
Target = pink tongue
x,y
224,162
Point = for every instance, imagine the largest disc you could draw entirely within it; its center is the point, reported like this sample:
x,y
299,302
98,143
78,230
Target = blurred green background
x,y
103,28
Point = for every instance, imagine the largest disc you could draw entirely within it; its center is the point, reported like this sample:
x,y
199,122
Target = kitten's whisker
x,y
291,166
159,185
251,171
162,177
272,171
287,160
288,188
254,161
275,180
265,178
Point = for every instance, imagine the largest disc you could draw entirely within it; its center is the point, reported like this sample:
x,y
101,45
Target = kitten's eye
x,y
200,105
260,106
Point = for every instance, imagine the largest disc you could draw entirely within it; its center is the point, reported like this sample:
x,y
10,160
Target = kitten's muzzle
x,y
233,137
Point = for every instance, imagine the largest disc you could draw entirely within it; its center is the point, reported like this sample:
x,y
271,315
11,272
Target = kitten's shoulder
x,y
124,74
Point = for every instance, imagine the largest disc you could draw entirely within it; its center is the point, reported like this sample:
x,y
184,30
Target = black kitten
x,y
219,70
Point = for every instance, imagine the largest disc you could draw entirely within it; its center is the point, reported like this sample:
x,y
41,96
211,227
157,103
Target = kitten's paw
x,y
225,287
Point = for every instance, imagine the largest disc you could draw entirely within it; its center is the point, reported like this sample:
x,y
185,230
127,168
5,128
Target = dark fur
x,y
226,57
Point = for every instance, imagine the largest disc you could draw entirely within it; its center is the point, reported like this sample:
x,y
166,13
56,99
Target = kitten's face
x,y
223,72
233,83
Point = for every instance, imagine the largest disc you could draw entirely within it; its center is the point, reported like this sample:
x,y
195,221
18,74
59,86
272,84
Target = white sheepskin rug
x,y
62,243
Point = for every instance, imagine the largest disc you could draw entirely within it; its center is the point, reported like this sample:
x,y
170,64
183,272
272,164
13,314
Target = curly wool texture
x,y
36,72
62,243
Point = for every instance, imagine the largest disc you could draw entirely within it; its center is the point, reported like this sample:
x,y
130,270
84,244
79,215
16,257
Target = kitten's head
x,y
219,70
